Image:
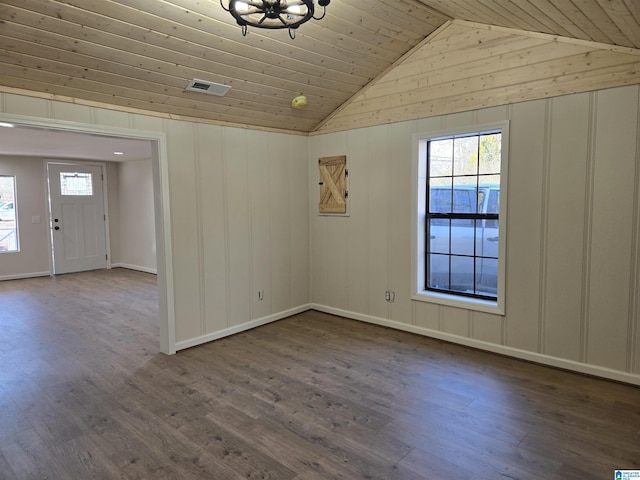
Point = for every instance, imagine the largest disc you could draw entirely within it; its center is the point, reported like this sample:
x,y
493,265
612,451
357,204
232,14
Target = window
x,y
460,253
8,218
73,183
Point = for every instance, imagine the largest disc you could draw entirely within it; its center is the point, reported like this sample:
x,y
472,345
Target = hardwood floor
x,y
84,395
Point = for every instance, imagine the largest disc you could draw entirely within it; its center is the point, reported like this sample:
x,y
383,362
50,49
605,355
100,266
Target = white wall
x,y
33,257
239,217
113,207
131,217
239,225
136,237
243,213
573,247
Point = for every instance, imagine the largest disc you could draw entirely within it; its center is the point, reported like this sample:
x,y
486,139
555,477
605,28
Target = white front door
x,y
76,203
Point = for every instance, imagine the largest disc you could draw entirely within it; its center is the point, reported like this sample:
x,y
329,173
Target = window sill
x,y
476,304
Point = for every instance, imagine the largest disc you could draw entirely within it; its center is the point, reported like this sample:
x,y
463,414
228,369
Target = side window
x,y
459,246
8,218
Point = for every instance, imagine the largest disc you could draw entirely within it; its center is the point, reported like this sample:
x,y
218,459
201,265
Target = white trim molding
x,y
135,267
565,364
192,342
419,194
22,276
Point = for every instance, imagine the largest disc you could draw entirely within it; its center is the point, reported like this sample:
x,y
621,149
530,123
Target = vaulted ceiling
x,y
365,63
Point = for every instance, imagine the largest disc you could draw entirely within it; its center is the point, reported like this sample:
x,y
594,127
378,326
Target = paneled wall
x,y
239,227
573,248
239,217
244,220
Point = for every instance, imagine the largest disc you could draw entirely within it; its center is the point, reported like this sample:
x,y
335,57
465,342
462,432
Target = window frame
x,y
419,218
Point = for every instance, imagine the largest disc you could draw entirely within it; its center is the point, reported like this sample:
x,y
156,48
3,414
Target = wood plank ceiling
x,y
139,55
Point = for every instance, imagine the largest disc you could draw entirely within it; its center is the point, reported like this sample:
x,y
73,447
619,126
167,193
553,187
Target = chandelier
x,y
274,13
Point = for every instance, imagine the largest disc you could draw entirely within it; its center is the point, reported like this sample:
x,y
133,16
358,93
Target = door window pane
x,y
73,183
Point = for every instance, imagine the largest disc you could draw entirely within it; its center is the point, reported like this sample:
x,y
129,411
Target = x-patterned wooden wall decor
x,y
333,184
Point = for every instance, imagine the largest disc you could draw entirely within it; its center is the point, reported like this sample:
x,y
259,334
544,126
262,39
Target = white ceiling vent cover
x,y
211,88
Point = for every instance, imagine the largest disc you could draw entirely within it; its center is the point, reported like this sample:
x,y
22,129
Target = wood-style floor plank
x,y
85,395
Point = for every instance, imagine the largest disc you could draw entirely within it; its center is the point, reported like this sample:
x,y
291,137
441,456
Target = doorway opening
x,y
77,218
159,165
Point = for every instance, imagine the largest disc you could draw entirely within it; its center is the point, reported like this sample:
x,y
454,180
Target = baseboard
x,y
584,368
556,362
135,267
240,328
22,276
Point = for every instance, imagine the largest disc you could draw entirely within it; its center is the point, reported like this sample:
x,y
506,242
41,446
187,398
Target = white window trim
x,y
418,197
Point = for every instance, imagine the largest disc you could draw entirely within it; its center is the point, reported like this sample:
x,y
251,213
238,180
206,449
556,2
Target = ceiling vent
x,y
210,88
